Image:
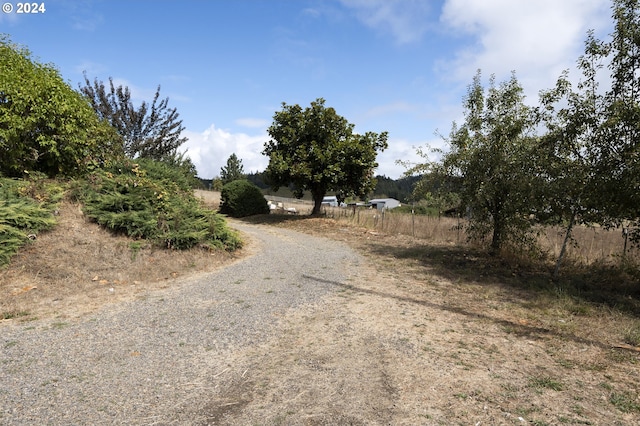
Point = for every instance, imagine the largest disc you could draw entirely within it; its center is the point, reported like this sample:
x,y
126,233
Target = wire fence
x,y
591,244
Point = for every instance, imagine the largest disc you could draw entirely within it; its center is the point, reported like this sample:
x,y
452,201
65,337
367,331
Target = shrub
x,y
45,125
148,200
25,208
241,198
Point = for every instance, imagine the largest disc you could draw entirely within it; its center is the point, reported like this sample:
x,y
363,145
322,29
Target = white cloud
x,y
398,149
536,38
253,123
405,20
210,149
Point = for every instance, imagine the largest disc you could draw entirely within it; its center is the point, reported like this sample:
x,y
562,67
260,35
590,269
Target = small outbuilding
x,y
384,203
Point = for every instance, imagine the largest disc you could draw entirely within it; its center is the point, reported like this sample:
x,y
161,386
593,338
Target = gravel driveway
x,y
155,360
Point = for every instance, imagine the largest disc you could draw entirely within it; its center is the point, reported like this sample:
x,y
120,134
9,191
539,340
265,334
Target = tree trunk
x,y
567,237
496,240
317,202
498,227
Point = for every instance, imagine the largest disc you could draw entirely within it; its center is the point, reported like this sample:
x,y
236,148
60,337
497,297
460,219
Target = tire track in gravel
x,y
157,359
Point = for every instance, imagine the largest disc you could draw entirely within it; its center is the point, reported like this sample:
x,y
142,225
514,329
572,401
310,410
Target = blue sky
x,y
399,66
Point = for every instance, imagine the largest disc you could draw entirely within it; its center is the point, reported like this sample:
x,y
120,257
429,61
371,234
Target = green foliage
x,y
25,209
590,151
616,144
232,171
418,209
168,174
44,124
490,162
184,166
150,131
241,198
154,201
216,184
259,179
315,149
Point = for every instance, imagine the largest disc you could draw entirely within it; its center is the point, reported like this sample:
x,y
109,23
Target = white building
x,y
384,203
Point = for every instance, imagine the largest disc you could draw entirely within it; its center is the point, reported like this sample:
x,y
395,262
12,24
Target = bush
x,y
45,125
25,208
148,200
241,198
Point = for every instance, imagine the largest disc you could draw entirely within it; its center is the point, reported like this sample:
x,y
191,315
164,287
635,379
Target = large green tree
x,y
592,146
45,125
490,163
617,140
570,193
316,150
153,130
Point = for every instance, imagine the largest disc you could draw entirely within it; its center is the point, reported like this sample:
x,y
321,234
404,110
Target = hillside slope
x,y
78,266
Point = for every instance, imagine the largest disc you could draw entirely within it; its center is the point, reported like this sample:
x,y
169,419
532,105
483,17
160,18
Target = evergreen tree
x,y
233,170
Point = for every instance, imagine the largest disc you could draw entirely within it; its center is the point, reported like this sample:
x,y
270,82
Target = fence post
x,y
413,220
382,227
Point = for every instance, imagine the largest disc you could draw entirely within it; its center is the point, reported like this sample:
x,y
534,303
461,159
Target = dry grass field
x,y
591,244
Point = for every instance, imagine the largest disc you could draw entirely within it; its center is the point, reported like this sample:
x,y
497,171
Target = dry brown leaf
x,y
24,289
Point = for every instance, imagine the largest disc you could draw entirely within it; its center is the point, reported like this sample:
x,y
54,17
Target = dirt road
x,y
162,358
